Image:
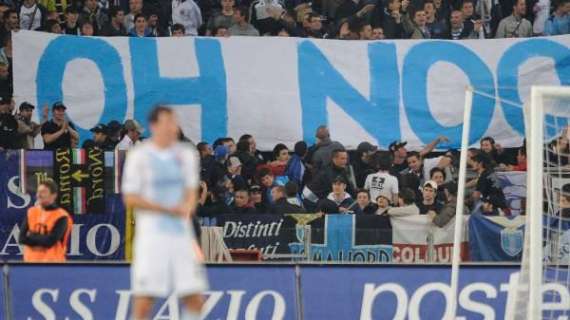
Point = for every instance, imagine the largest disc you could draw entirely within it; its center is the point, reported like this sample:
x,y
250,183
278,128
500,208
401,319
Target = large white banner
x,y
282,89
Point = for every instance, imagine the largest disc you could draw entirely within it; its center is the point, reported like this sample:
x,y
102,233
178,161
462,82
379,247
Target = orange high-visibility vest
x,y
43,222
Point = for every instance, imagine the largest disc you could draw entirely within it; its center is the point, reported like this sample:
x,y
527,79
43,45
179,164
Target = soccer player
x,y
161,182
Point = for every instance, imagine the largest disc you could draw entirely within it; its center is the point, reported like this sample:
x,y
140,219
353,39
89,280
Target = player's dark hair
x,y
155,113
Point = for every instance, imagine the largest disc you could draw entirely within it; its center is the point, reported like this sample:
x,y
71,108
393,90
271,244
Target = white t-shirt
x,y
125,144
26,16
187,13
381,183
160,176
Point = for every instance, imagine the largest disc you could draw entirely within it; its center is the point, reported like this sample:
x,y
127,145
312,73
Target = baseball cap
x,y
431,184
26,106
394,146
340,179
58,105
101,128
133,125
365,147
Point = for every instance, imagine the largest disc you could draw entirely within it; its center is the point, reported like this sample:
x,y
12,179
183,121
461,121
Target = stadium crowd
x,y
325,177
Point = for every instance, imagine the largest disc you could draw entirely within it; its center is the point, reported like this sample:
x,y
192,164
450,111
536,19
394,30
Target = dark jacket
x,y
321,185
323,154
282,206
243,210
371,208
392,30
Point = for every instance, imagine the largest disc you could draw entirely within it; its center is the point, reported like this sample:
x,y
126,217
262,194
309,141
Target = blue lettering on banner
x,y
319,80
60,52
508,77
418,61
208,89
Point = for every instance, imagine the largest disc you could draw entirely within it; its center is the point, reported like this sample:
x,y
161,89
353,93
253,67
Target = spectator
x,y
383,204
417,29
8,124
448,210
70,26
153,25
400,153
355,9
280,203
494,151
320,186
378,34
28,129
234,168
281,156
320,154
469,15
241,204
87,29
135,8
521,161
490,206
406,205
114,129
382,182
46,227
292,193
440,177
93,14
141,29
115,27
58,132
5,78
33,16
217,175
187,14
488,185
223,18
52,26
559,151
363,205
428,202
564,202
541,10
267,181
253,147
442,10
132,132
213,203
256,196
437,28
178,30
459,30
241,26
365,31
315,27
11,23
515,25
362,163
338,199
296,166
392,21
559,21
268,16
220,32
99,138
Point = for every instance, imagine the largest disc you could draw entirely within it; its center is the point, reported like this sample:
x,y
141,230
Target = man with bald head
x,y
320,153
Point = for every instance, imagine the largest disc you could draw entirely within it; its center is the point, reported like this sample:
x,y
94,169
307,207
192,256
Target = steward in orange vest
x,y
46,228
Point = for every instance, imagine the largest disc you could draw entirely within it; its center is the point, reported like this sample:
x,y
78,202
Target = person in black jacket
x,y
392,21
280,203
241,203
363,205
8,124
321,185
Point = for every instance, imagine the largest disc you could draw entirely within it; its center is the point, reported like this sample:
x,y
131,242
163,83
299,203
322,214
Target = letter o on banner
x,y
278,308
417,63
115,238
61,51
508,75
